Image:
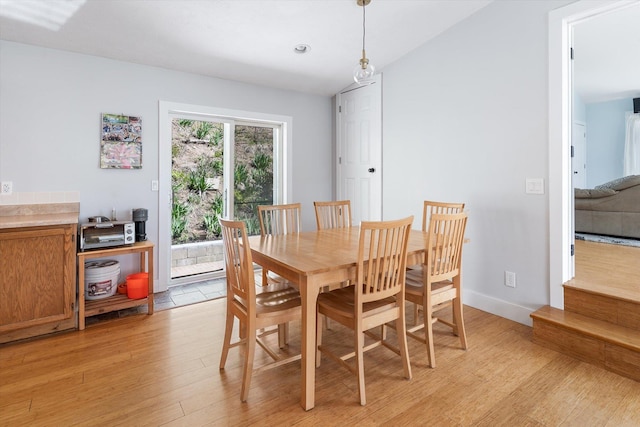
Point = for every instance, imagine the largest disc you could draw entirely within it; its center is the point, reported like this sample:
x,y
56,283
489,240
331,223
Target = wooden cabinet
x,y
117,302
37,280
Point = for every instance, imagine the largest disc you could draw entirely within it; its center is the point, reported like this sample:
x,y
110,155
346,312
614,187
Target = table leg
x,y
309,297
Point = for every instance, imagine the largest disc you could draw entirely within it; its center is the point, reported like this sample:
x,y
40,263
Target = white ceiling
x,y
607,55
253,40
249,40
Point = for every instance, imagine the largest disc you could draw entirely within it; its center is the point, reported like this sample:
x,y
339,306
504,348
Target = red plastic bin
x,y
138,285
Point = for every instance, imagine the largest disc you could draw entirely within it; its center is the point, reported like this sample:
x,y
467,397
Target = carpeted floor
x,y
613,240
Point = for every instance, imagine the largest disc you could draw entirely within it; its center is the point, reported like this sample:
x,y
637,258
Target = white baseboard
x,y
499,307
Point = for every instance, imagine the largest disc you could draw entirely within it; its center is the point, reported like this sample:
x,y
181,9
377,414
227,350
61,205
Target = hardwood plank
x,y
628,411
623,361
569,342
608,308
607,269
587,326
16,409
163,370
594,305
585,412
531,394
571,391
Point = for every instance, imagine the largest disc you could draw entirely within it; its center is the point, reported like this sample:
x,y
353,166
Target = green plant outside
x,y
193,185
202,130
197,181
179,213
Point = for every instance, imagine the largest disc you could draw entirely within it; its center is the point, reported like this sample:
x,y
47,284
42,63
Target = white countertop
x,y
36,215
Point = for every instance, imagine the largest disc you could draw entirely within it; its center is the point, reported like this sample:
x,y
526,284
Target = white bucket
x,y
101,278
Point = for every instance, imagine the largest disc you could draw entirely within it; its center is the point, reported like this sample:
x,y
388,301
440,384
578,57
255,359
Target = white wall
x,y
50,106
579,109
465,120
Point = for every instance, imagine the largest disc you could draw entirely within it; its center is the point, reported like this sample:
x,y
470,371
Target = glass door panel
x,y
197,177
253,172
202,177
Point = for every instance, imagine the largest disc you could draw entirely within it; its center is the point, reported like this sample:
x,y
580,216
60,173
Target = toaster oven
x,y
107,234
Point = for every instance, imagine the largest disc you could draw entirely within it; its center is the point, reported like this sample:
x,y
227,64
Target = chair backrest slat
x,y
238,262
279,219
334,214
443,255
432,207
382,259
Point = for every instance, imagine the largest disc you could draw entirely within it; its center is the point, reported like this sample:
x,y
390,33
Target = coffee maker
x,y
140,217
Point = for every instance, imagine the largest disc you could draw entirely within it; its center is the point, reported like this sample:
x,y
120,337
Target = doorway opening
x,y
199,189
214,163
561,215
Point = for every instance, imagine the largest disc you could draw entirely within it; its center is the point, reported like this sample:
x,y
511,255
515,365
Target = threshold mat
x,y
612,240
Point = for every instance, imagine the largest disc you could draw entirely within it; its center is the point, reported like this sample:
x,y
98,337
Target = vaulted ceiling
x,y
253,40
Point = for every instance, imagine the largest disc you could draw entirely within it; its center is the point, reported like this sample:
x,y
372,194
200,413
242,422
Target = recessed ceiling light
x,y
301,48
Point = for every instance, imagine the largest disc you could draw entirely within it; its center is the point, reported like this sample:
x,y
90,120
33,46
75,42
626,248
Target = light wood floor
x,y
607,269
163,370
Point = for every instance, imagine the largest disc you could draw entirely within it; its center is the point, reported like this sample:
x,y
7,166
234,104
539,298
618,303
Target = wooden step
x,y
604,303
610,346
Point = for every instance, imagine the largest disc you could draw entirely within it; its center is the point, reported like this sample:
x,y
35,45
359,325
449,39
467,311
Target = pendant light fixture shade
x,y
364,71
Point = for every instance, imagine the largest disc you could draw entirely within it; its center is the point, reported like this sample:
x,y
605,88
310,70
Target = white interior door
x,y
359,150
579,159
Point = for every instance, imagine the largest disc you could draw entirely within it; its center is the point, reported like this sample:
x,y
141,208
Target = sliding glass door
x,y
218,166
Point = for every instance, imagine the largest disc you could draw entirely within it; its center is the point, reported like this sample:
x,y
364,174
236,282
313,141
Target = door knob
x,y
372,170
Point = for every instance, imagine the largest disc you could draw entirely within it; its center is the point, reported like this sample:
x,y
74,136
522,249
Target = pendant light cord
x,y
364,27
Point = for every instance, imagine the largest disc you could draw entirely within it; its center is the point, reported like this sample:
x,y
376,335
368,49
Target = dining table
x,y
312,260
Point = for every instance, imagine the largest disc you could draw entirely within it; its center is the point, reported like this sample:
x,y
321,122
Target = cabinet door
x,y
37,283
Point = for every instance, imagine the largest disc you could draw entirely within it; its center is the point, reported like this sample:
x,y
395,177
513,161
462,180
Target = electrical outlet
x,y
510,279
6,188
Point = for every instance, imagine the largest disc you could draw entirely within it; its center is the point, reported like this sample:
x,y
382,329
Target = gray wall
x,y
50,106
465,120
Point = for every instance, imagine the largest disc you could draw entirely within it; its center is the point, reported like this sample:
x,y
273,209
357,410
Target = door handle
x,y
372,170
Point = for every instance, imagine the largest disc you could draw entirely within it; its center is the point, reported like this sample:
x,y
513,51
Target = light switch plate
x,y
534,186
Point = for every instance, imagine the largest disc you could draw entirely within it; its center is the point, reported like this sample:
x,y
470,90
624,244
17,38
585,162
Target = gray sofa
x,y
611,209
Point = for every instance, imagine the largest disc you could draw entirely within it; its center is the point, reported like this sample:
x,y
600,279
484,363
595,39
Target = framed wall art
x,y
121,142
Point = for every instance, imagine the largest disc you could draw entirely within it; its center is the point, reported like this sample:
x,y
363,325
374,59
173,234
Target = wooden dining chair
x,y
278,220
438,283
334,214
258,309
431,207
375,298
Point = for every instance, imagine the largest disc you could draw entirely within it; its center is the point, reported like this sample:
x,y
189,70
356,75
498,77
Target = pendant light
x,y
364,71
